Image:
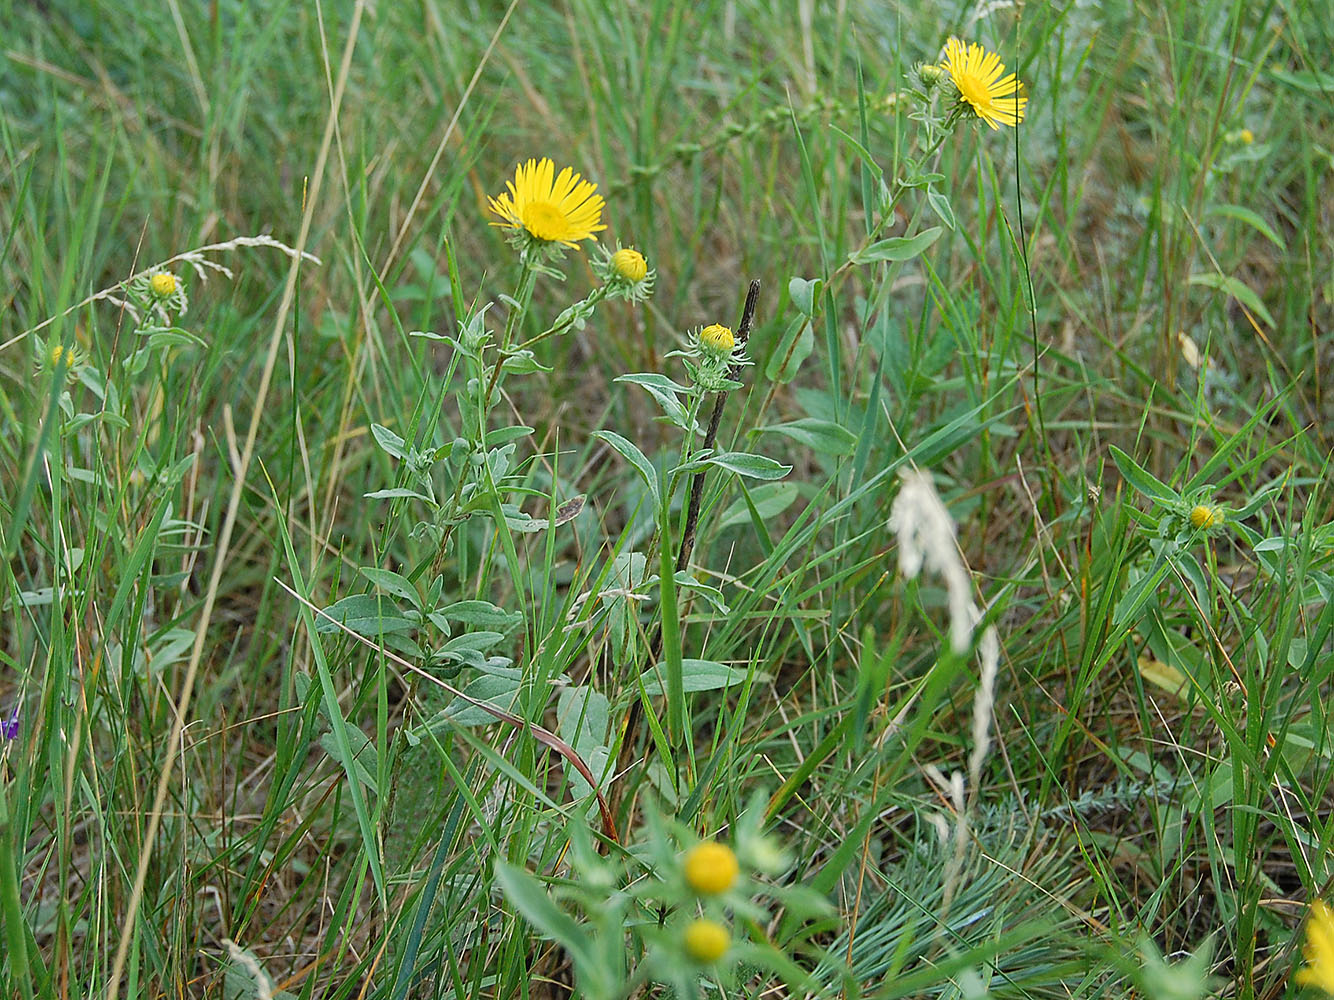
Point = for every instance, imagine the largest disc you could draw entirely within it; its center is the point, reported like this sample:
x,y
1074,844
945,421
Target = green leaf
x,y
1311,81
1143,481
875,169
655,383
522,363
498,689
482,614
1140,592
769,501
699,675
713,595
531,900
823,436
478,641
365,614
395,493
631,453
1237,289
363,761
795,347
746,464
504,435
665,391
804,293
897,248
390,582
389,441
583,716
941,206
1252,219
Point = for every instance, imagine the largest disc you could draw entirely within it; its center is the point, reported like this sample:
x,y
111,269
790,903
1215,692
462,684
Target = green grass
x,y
1162,758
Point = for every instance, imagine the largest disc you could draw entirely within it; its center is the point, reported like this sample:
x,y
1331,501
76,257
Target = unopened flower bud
x,y
629,264
162,284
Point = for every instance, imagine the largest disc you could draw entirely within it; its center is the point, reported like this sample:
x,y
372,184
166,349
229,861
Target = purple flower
x,y
9,728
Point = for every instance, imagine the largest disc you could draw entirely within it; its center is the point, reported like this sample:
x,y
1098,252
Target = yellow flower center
x,y
58,356
1205,517
718,339
1247,136
545,221
974,91
710,868
630,265
162,284
553,208
707,941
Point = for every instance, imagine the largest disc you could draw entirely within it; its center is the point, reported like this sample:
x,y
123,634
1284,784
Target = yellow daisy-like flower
x,y
162,284
1206,517
980,78
551,209
706,941
1319,950
710,868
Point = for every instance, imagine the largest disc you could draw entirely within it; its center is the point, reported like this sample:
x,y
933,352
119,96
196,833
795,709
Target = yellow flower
x,y
1246,136
629,264
61,360
706,941
162,284
979,76
1205,517
717,338
1319,950
552,209
710,867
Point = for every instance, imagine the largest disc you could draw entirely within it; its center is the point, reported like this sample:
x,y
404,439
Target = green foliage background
x,y
1161,777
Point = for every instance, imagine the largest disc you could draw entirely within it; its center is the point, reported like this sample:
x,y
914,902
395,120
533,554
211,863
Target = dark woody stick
x,y
692,512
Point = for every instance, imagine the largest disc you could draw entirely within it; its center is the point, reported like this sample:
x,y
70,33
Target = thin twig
x,y
711,437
